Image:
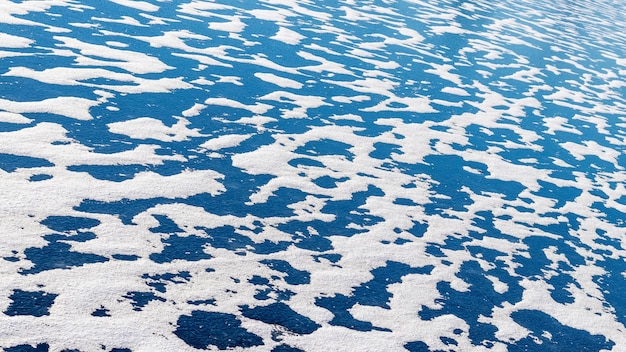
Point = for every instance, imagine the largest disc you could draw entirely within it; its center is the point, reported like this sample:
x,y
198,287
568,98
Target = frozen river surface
x,y
287,175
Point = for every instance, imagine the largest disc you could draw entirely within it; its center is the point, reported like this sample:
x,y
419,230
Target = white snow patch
x,y
72,107
13,41
288,36
139,5
225,141
277,80
257,108
233,26
151,128
456,91
195,110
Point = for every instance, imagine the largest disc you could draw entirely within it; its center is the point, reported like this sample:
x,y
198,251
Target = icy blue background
x,y
432,162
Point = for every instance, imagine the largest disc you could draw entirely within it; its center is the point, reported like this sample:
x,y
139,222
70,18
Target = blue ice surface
x,y
40,347
203,329
35,303
498,42
281,314
371,293
57,255
11,162
294,276
140,299
69,223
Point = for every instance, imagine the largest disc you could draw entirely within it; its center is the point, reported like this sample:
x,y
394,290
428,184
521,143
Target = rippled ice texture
x,y
287,175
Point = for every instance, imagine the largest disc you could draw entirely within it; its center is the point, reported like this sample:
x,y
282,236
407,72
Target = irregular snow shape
x,y
11,117
233,26
279,81
303,103
13,41
257,108
225,141
128,60
76,76
288,36
72,107
456,91
151,128
139,5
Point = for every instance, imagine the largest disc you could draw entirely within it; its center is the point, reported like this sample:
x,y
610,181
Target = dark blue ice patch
x,y
385,150
273,293
126,257
40,347
417,346
226,237
398,241
200,302
125,208
434,250
74,237
35,303
286,348
561,337
57,255
329,182
101,312
485,221
373,129
404,201
306,239
331,257
610,214
238,186
418,229
69,223
371,293
561,288
258,280
39,177
141,299
448,172
159,281
448,340
203,329
11,162
340,305
189,248
116,173
11,127
281,314
347,213
608,241
166,225
537,264
613,285
478,301
374,292
305,162
267,290
561,194
326,147
268,247
293,277
278,203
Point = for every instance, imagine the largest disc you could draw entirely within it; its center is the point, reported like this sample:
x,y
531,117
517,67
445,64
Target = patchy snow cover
x,y
302,176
